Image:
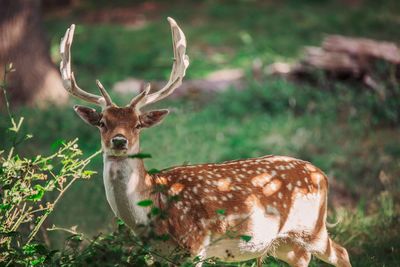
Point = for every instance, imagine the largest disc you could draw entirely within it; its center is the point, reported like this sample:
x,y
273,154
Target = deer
x,y
274,205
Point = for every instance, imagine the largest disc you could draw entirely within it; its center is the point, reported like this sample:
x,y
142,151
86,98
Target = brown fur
x,y
119,121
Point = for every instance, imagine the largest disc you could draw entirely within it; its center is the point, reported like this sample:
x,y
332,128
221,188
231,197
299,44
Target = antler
x,y
181,62
68,77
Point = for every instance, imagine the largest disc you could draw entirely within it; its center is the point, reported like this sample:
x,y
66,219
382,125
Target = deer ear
x,y
152,118
89,115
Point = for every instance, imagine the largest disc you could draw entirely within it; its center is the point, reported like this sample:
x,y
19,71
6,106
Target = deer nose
x,y
119,141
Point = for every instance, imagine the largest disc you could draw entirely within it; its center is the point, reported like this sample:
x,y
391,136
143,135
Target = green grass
x,y
220,34
342,128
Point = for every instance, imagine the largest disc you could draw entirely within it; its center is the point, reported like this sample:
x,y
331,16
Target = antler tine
x,y
68,77
104,93
140,96
181,62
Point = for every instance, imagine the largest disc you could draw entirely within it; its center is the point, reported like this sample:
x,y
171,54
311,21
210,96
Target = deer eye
x,y
102,124
138,126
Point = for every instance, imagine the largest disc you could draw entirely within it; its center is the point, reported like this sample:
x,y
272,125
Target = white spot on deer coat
x,y
289,186
261,180
272,187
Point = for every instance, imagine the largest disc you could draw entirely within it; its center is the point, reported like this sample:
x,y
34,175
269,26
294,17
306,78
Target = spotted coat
x,y
210,195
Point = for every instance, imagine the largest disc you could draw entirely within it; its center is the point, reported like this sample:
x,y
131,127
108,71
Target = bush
x,y
29,190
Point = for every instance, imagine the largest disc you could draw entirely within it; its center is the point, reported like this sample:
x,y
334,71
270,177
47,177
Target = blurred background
x,y
266,77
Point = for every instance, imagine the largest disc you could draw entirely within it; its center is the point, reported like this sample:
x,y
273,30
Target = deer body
x,y
234,211
274,200
270,199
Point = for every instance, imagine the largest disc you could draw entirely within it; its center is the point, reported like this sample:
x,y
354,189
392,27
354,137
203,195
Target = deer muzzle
x,y
119,142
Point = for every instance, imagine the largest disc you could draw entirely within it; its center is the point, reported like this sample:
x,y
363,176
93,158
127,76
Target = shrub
x,y
29,190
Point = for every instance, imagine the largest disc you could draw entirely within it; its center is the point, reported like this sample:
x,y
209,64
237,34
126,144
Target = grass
x,y
220,34
343,128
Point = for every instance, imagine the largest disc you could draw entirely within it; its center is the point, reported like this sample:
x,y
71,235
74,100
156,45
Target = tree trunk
x,y
22,42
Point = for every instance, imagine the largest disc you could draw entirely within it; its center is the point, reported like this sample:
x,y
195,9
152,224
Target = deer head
x,y
120,126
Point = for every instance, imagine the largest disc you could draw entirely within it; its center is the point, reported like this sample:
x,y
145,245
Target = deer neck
x,y
125,185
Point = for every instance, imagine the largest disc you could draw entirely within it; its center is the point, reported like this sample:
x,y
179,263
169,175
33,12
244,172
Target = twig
x,y
44,217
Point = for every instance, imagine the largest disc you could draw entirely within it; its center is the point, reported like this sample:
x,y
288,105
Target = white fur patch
x,y
121,182
303,213
263,230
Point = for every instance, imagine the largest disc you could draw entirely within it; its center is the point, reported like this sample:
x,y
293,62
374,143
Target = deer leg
x,y
334,254
259,261
202,254
293,254
327,250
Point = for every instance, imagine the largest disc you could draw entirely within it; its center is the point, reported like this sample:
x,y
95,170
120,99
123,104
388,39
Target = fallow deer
x,y
278,203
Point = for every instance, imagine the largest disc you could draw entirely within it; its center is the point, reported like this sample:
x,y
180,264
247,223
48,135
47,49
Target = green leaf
x,y
120,222
246,238
39,193
196,259
140,155
5,206
153,171
31,249
37,261
47,167
56,144
174,198
220,211
87,174
155,211
76,238
163,237
145,203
